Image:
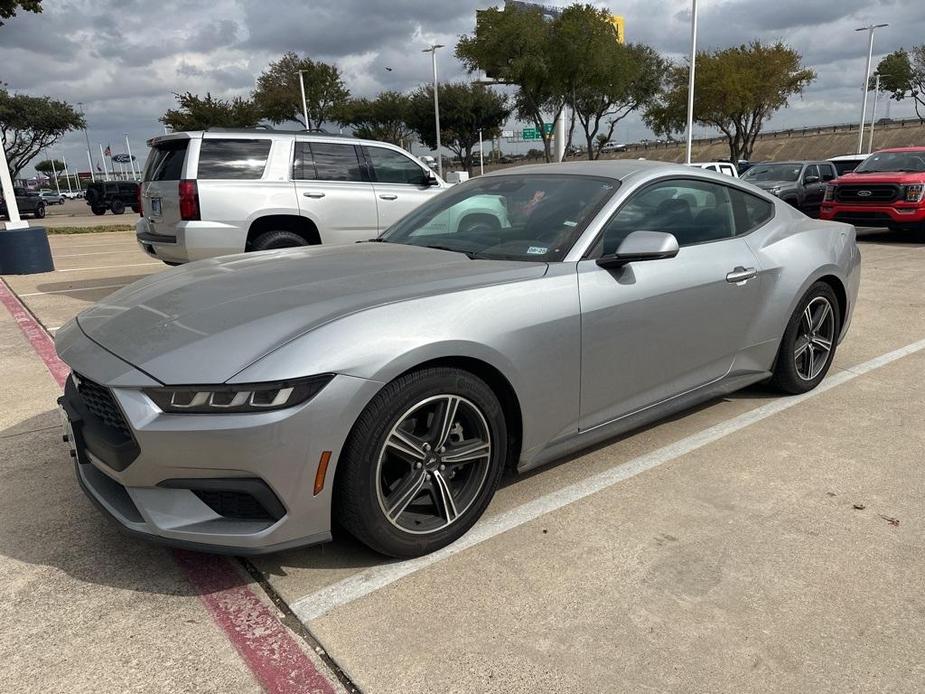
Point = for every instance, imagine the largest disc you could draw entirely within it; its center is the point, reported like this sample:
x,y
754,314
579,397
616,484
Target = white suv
x,y
216,192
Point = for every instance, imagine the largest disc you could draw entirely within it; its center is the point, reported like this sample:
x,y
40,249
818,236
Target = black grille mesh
x,y
873,193
98,400
229,504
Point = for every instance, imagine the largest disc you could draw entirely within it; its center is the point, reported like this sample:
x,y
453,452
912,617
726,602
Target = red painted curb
x,y
262,641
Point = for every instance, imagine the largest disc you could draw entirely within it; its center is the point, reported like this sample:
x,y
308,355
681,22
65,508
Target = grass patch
x,y
89,230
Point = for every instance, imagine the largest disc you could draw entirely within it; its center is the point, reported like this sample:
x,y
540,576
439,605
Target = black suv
x,y
113,195
27,201
801,183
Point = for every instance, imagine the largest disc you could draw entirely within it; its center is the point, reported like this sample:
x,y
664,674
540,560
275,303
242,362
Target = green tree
x,y
902,73
606,79
29,124
383,118
194,112
279,97
515,46
8,8
464,110
50,166
737,90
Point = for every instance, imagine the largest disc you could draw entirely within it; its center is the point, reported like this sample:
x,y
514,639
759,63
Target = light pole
x,y
870,54
89,156
690,81
131,159
433,52
304,103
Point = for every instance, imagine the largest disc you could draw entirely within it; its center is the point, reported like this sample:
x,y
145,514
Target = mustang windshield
x,y
513,217
893,161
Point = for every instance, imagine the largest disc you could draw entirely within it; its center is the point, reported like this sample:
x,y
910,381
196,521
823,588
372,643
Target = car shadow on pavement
x,y
46,521
903,239
83,289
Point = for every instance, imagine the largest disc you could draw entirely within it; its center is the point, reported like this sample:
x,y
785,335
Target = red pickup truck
x,y
886,190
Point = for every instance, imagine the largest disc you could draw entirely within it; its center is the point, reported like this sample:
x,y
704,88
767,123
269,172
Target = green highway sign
x,y
534,133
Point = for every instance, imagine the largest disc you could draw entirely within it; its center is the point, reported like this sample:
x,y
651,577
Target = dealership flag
x,y
109,151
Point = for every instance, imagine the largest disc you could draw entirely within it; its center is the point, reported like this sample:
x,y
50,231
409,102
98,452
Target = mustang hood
x,y
204,322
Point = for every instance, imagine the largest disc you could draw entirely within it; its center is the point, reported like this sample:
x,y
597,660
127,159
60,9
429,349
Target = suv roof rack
x,y
267,129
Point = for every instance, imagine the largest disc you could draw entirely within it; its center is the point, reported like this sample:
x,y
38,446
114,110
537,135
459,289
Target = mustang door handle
x,y
313,194
389,196
741,274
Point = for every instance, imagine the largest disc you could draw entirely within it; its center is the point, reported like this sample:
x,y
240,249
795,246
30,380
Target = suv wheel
x,y
117,207
99,211
277,239
40,211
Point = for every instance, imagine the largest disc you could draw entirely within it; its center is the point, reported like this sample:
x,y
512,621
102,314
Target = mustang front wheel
x,y
422,462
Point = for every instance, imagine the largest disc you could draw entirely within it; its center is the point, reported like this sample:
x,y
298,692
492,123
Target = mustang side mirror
x,y
639,246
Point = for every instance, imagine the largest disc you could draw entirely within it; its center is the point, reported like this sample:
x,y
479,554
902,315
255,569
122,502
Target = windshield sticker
x,y
537,250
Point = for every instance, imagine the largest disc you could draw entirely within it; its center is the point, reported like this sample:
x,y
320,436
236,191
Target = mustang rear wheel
x,y
422,462
808,346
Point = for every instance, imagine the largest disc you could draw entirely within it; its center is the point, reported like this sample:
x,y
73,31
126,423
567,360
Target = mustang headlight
x,y
238,398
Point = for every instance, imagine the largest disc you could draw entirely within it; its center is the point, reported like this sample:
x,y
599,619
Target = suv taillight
x,y
141,209
189,201
829,193
914,192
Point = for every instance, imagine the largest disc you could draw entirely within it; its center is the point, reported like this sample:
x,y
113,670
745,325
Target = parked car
x,y
613,147
115,196
27,202
71,195
246,403
799,183
51,197
846,163
886,190
723,167
229,191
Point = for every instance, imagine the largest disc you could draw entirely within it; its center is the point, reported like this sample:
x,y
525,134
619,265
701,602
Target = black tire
x,y
357,507
171,263
92,196
117,207
277,239
98,211
787,376
39,212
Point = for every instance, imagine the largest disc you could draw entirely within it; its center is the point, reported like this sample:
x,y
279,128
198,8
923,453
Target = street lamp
x,y
80,105
433,52
690,81
870,54
304,103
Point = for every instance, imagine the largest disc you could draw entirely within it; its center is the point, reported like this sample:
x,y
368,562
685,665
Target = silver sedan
x,y
245,403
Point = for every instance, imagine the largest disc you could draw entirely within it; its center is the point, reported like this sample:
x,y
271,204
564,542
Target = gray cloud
x,y
125,58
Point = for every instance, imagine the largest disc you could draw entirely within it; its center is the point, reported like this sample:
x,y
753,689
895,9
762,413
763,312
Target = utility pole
x,y
690,81
870,54
131,159
87,136
103,157
67,176
433,52
304,103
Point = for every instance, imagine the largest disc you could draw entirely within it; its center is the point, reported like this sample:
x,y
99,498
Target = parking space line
x,y
268,648
365,582
74,289
81,255
104,267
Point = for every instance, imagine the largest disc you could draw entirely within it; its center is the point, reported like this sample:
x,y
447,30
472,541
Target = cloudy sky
x,y
124,58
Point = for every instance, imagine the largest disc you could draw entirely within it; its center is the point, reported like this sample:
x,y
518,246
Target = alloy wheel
x,y
433,464
815,338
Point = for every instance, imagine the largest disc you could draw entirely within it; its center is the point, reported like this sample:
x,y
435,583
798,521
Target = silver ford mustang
x,y
243,404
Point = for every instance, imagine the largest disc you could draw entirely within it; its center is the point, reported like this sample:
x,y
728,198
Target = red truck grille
x,y
874,193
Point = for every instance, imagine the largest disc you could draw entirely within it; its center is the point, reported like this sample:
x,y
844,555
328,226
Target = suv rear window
x,y
233,159
165,161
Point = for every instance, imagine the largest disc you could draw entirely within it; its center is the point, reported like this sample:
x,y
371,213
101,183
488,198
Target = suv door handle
x,y
313,194
741,274
389,196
